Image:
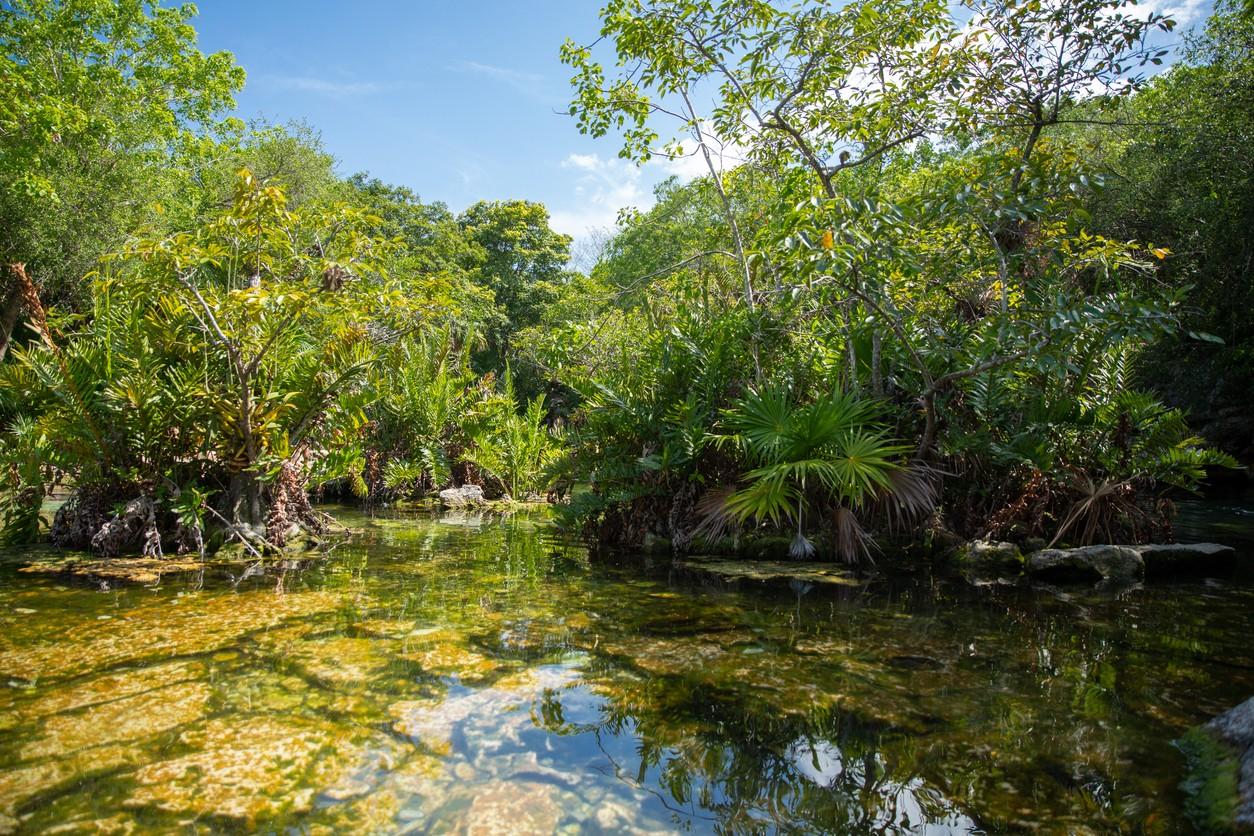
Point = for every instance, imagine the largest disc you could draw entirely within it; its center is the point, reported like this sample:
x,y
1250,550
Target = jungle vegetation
x,y
943,277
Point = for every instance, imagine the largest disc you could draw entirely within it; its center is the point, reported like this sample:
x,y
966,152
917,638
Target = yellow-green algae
x,y
244,769
476,675
771,570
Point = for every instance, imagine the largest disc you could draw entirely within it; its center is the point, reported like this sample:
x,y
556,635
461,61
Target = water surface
x,y
478,675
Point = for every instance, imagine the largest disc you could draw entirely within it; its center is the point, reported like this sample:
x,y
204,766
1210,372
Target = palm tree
x,y
831,456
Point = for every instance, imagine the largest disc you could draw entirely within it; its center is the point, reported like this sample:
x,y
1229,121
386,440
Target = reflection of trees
x,y
991,701
712,756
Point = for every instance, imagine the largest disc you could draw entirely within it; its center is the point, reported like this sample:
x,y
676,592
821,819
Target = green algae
x,y
479,675
770,570
1212,784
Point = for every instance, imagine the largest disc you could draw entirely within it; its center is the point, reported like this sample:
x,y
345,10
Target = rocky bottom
x,y
473,675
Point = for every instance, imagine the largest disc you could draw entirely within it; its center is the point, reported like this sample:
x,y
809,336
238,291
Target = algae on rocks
x,y
1220,784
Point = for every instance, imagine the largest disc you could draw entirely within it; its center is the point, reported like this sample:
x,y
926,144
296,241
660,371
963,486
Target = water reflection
x,y
470,672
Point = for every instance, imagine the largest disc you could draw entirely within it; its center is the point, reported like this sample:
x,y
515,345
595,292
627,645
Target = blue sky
x,y
460,101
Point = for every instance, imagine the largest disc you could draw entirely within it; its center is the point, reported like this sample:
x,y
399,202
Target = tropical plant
x,y
519,449
830,456
428,402
229,361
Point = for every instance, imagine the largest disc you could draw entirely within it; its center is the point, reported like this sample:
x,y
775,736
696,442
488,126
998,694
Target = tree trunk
x,y
851,350
244,500
11,307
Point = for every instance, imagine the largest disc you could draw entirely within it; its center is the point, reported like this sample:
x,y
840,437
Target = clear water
x,y
477,675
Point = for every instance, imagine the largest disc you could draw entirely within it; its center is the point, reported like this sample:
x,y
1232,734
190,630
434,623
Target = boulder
x,y
1220,784
990,554
980,561
462,497
1110,565
1187,558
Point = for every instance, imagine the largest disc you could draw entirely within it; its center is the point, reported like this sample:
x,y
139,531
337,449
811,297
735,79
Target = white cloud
x,y
529,84
601,188
323,86
689,163
1184,12
604,186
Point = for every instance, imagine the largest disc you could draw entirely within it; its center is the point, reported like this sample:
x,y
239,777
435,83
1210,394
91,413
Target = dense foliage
x,y
939,265
928,242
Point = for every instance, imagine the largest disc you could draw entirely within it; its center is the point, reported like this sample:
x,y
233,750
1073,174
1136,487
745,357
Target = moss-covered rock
x,y
22,783
1109,565
135,570
158,629
980,560
117,721
1220,784
770,570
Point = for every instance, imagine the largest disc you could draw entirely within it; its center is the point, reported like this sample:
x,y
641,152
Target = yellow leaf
x,y
827,241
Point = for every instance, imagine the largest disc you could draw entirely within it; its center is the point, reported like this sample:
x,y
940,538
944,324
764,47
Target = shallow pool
x,y
477,674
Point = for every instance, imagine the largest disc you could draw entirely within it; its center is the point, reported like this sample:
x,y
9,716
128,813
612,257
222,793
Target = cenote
x,y
477,673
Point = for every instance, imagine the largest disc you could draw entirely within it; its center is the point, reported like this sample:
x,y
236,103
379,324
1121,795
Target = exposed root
x,y
290,509
136,524
79,519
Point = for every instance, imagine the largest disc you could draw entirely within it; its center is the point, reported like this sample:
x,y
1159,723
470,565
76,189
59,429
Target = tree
x,y
95,99
226,364
926,228
523,261
1184,179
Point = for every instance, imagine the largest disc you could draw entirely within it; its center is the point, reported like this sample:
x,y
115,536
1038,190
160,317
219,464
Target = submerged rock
x,y
1186,558
770,570
156,629
463,496
505,807
22,783
243,770
1108,564
339,660
107,688
140,570
1220,785
130,718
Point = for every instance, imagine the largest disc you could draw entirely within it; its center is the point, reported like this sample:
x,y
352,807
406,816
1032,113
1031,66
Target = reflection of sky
x,y
818,760
821,761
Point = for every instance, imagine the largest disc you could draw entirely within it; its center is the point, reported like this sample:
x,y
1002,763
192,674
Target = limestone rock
x,y
1108,564
1186,558
989,557
21,783
243,770
129,718
514,807
1221,771
462,497
138,570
